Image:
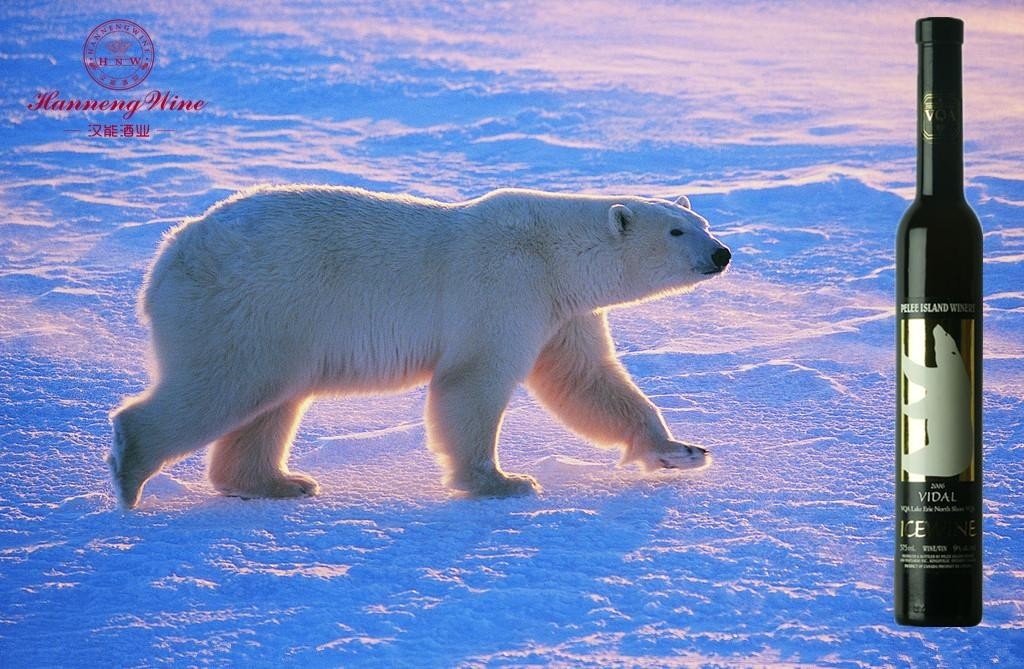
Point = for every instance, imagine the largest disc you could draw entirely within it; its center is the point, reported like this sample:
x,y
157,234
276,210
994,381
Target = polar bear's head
x,y
945,346
664,245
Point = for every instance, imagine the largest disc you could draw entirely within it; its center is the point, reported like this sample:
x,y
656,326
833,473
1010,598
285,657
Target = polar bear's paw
x,y
284,486
670,454
129,466
498,484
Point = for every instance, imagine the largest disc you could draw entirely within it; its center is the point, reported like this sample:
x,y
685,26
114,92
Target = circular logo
x,y
940,117
118,54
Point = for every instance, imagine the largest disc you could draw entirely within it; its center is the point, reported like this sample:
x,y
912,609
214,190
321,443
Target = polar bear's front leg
x,y
578,378
465,407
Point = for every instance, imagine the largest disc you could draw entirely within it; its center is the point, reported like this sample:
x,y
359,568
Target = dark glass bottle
x,y
938,360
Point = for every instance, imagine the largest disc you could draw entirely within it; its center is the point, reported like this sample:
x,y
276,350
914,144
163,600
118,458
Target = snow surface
x,y
792,129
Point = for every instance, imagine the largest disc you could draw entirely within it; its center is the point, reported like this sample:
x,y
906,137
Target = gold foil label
x,y
937,379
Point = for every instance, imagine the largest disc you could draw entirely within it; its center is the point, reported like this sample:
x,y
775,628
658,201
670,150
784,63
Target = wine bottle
x,y
938,359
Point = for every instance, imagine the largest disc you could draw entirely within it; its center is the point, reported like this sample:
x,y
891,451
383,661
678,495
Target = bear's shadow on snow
x,y
400,571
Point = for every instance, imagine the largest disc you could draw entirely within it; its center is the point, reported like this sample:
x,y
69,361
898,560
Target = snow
x,y
791,129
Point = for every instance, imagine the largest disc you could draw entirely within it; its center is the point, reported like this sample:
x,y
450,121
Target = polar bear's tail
x,y
155,276
179,243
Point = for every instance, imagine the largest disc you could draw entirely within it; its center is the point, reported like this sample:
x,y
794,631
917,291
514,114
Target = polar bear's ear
x,y
620,218
683,201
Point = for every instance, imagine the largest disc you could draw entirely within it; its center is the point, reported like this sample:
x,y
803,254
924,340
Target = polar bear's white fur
x,y
280,294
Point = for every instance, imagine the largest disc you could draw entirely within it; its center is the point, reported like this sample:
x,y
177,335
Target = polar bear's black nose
x,y
721,257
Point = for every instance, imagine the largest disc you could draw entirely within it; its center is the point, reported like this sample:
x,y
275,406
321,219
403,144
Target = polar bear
x,y
946,408
279,294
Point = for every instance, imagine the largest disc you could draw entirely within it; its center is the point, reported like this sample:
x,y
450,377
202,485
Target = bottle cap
x,y
940,29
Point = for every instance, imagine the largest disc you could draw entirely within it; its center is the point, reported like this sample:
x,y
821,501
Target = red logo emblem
x,y
118,54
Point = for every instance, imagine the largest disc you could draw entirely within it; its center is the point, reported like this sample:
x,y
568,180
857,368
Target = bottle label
x,y
940,117
939,521
937,423
939,527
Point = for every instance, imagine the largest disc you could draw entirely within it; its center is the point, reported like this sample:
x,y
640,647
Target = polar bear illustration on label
x,y
945,408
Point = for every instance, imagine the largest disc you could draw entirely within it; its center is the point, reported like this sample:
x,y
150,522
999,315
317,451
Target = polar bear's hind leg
x,y
252,460
154,429
464,412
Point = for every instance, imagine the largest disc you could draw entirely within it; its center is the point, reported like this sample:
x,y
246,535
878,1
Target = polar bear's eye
x,y
676,232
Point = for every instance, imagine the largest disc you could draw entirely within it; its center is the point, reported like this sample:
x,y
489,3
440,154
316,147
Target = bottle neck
x,y
940,138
